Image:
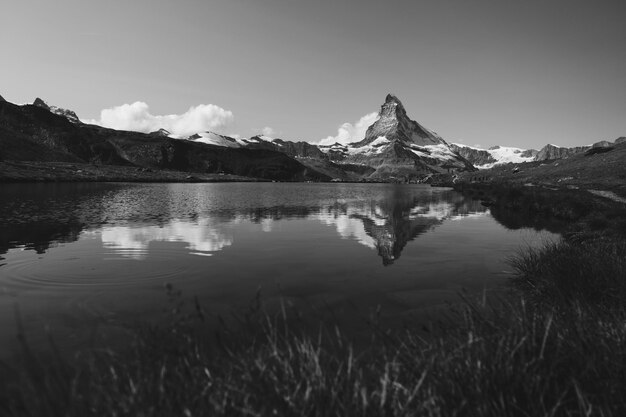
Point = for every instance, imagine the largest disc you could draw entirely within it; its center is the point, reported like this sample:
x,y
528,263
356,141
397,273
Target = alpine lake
x,y
79,262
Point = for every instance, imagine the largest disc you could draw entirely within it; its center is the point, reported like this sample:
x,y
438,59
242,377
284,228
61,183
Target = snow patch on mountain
x,y
441,151
211,138
373,148
381,140
505,155
500,155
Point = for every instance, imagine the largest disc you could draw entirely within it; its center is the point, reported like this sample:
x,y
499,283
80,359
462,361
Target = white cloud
x,y
349,132
137,117
268,131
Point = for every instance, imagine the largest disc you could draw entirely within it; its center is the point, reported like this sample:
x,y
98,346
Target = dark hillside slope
x,y
597,170
31,133
34,133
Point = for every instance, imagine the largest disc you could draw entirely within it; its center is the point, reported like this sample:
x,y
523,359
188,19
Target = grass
x,y
554,346
563,204
590,271
505,357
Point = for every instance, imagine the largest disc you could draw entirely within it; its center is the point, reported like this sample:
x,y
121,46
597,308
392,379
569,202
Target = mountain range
x,y
497,155
395,148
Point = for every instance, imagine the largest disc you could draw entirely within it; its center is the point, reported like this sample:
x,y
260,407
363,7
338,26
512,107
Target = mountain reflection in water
x,y
86,259
128,222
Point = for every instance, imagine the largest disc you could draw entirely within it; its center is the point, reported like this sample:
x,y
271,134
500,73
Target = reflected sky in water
x,y
373,224
92,253
128,219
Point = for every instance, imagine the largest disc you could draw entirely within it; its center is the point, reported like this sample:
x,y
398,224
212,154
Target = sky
x,y
482,73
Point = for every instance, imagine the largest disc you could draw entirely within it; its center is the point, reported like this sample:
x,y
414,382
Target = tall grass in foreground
x,y
556,349
506,358
592,272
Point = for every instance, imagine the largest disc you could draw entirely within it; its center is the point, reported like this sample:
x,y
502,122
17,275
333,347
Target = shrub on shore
x,y
592,271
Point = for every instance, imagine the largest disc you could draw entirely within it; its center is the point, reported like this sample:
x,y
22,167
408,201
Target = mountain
x,y
396,146
394,125
161,132
557,152
2,99
295,149
68,114
487,158
599,168
36,133
306,153
497,155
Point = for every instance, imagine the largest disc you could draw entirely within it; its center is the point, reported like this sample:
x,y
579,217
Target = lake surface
x,y
79,259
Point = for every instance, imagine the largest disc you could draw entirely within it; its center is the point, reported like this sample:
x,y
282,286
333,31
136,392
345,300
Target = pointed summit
x,y
391,98
40,103
162,133
394,125
68,114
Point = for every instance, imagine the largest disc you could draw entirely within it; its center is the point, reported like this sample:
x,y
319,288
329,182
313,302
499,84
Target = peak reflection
x,y
388,225
133,220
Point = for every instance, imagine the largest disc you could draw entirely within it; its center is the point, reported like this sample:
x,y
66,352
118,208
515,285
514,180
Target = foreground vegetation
x,y
555,346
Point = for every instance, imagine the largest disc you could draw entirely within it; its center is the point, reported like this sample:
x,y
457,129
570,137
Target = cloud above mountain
x,y
351,132
137,117
268,131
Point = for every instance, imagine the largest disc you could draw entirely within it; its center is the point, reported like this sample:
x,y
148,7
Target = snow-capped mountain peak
x,y
394,124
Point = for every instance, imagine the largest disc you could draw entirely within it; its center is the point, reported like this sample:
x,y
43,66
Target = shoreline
x,y
15,172
50,172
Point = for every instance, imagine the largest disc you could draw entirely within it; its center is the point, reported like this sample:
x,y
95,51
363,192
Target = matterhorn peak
x,y
391,98
394,125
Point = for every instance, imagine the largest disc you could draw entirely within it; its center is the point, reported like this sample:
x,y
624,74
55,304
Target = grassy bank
x,y
506,358
554,346
574,212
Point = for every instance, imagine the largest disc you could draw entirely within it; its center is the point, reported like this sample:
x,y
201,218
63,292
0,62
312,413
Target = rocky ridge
x,y
498,155
35,133
68,114
394,124
395,148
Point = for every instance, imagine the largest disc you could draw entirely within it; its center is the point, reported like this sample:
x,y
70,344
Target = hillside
x,y
35,133
498,155
395,148
601,168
